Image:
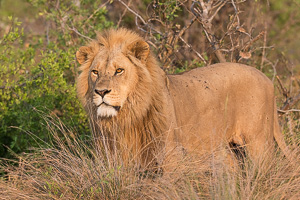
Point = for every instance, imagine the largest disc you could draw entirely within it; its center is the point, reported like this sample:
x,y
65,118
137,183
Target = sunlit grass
x,y
73,169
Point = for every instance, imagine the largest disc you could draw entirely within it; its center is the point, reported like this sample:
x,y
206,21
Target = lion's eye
x,y
119,71
95,72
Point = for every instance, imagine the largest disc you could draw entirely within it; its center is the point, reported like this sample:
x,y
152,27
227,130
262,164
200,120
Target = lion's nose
x,y
102,93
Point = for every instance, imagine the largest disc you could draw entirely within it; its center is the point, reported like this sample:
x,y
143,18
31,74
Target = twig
x,y
123,14
205,21
179,36
287,111
190,47
135,13
290,102
236,12
75,30
138,26
246,48
274,70
283,89
186,27
216,12
140,17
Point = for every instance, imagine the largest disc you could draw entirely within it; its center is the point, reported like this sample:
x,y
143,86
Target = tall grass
x,y
73,169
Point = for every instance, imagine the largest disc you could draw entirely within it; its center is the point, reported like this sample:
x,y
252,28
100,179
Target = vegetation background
x,y
38,41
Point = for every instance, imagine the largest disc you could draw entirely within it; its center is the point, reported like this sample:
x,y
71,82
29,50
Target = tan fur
x,y
196,112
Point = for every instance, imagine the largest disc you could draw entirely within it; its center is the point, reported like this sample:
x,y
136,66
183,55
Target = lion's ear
x,y
140,50
82,54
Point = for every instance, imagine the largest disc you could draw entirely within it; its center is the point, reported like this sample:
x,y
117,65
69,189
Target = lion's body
x,y
143,110
230,103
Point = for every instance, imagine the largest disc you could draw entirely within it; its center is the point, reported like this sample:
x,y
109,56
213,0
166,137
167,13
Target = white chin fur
x,y
106,111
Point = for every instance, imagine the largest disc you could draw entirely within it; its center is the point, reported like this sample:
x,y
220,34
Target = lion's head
x,y
115,69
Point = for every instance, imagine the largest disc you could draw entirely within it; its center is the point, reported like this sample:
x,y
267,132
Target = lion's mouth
x,y
105,110
117,108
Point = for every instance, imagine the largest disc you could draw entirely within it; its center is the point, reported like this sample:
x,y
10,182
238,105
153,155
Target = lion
x,y
140,110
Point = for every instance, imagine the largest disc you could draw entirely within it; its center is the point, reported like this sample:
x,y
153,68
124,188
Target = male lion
x,y
140,110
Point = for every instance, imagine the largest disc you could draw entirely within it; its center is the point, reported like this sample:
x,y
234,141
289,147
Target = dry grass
x,y
70,169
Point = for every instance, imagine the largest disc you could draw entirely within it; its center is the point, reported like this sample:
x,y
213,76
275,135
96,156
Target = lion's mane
x,y
141,120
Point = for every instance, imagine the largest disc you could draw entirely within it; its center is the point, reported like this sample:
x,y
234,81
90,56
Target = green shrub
x,y
29,87
37,77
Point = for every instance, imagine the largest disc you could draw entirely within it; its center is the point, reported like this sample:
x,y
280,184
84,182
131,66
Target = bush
x,y
37,74
29,86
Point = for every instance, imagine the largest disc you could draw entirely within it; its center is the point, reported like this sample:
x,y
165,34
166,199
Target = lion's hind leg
x,y
251,149
238,151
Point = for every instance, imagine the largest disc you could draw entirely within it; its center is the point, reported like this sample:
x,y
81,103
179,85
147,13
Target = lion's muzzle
x,y
105,108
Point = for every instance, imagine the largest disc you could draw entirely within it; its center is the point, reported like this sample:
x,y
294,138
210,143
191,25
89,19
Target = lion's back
x,y
219,80
226,98
222,73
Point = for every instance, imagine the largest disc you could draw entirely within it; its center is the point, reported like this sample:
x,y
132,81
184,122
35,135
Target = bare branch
x,y
123,14
75,30
283,89
190,47
205,21
236,12
246,48
290,102
216,12
135,13
287,111
264,48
